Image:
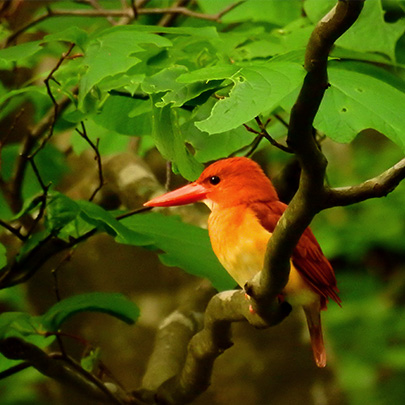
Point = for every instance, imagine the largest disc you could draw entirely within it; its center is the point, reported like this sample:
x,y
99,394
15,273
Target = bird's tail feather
x,y
313,316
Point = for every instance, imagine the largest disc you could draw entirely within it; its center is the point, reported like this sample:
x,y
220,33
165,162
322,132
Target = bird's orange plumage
x,y
245,210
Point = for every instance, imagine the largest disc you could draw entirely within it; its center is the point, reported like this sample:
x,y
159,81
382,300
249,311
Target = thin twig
x,y
264,134
95,147
54,102
128,13
269,138
251,148
12,230
134,9
96,6
133,212
168,175
14,370
169,18
282,120
44,196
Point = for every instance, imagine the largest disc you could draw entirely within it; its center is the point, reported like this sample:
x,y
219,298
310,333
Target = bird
x,y
245,209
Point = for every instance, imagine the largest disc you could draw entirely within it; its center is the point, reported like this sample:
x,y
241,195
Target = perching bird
x,y
245,210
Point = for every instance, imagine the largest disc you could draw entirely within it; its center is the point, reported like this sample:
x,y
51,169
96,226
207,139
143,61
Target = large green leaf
x,y
114,304
170,142
256,89
356,101
183,245
370,33
112,52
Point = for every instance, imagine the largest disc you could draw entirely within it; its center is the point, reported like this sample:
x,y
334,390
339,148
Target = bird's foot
x,y
251,310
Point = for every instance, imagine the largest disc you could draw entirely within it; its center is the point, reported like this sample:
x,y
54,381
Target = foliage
x,y
187,90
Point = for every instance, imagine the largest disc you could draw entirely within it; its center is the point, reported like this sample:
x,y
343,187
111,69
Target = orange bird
x,y
245,209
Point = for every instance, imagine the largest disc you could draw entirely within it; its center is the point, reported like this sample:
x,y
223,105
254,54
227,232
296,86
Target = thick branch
x,y
223,309
311,192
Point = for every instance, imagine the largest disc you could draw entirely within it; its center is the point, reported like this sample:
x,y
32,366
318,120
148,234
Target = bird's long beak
x,y
188,194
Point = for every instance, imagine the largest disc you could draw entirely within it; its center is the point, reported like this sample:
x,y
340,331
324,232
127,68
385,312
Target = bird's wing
x,y
307,257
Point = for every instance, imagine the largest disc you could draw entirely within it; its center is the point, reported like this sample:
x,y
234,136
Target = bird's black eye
x,y
214,180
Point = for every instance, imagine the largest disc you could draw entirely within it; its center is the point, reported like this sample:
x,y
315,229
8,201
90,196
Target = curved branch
x,y
268,283
379,186
17,349
222,310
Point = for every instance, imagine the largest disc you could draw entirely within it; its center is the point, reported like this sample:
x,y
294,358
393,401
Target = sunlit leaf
x,y
123,43
256,89
370,33
72,34
356,101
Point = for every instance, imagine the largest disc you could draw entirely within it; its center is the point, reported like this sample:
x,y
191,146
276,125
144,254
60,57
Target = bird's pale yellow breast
x,y
240,241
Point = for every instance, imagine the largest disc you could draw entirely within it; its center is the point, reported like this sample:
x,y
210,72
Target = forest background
x,y
104,104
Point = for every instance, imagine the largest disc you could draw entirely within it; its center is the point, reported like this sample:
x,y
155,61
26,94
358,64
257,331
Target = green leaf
x,y
102,219
60,211
25,326
370,33
114,304
72,34
33,328
112,52
90,362
183,245
217,146
171,144
125,115
25,91
257,89
3,257
75,216
19,52
356,101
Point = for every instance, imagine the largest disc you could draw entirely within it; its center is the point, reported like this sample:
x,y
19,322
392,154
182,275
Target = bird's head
x,y
227,182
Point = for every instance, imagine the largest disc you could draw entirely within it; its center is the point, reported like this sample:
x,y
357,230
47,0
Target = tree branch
x,y
222,310
59,370
95,147
268,283
128,13
379,186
